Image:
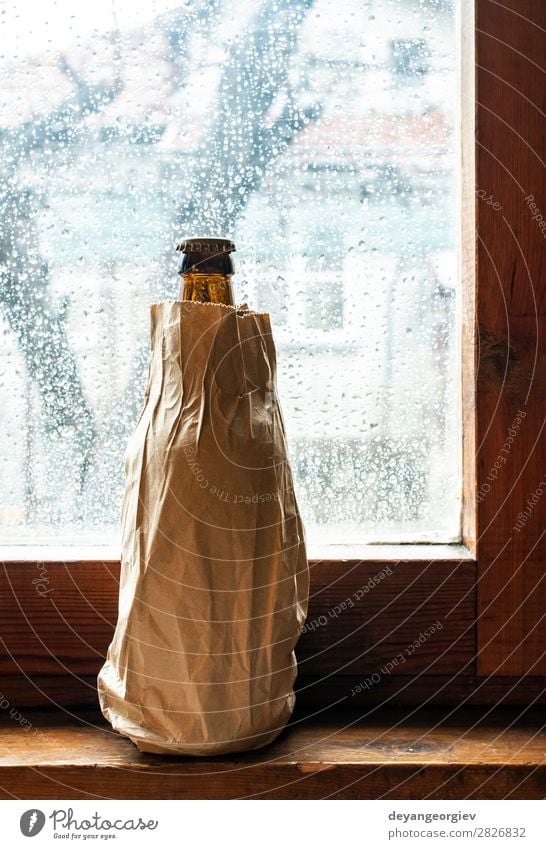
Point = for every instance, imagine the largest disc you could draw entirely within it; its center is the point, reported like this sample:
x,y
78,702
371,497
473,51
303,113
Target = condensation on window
x,y
320,136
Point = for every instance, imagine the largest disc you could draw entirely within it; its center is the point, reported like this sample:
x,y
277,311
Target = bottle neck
x,y
208,288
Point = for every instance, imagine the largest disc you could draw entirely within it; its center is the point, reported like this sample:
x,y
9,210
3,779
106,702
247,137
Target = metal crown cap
x,y
206,245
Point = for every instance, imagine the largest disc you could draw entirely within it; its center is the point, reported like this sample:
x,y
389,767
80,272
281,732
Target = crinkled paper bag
x,y
214,577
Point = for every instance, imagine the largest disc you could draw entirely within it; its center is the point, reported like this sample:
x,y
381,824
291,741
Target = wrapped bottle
x,y
214,576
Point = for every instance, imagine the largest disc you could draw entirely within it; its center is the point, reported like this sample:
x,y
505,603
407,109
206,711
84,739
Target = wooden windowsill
x,y
447,753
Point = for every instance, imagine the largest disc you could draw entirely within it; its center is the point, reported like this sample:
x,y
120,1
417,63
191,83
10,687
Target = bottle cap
x,y
206,245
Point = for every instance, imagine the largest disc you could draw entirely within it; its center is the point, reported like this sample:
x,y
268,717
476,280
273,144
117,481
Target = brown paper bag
x,y
214,577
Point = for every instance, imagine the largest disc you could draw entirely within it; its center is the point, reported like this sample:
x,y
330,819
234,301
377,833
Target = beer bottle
x,y
206,268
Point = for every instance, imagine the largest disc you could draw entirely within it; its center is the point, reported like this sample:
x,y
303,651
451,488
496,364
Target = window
x,y
58,609
338,180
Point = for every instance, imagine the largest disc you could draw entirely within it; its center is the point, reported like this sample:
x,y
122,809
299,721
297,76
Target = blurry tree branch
x,y
30,309
241,143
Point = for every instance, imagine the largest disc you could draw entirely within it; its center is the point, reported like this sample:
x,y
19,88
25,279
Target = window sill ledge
x,y
379,753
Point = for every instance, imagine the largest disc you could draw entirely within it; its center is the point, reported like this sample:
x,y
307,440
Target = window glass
x,y
320,136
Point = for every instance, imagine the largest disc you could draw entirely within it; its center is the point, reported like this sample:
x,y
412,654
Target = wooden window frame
x,y
369,606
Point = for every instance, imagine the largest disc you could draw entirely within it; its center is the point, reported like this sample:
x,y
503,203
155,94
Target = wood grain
x,y
372,754
511,414
313,691
419,689
364,618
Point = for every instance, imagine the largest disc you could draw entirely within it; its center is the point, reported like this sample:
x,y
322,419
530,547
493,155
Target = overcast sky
x,y
29,27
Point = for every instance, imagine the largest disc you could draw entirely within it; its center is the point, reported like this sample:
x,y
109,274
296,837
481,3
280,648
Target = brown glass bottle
x,y
206,267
